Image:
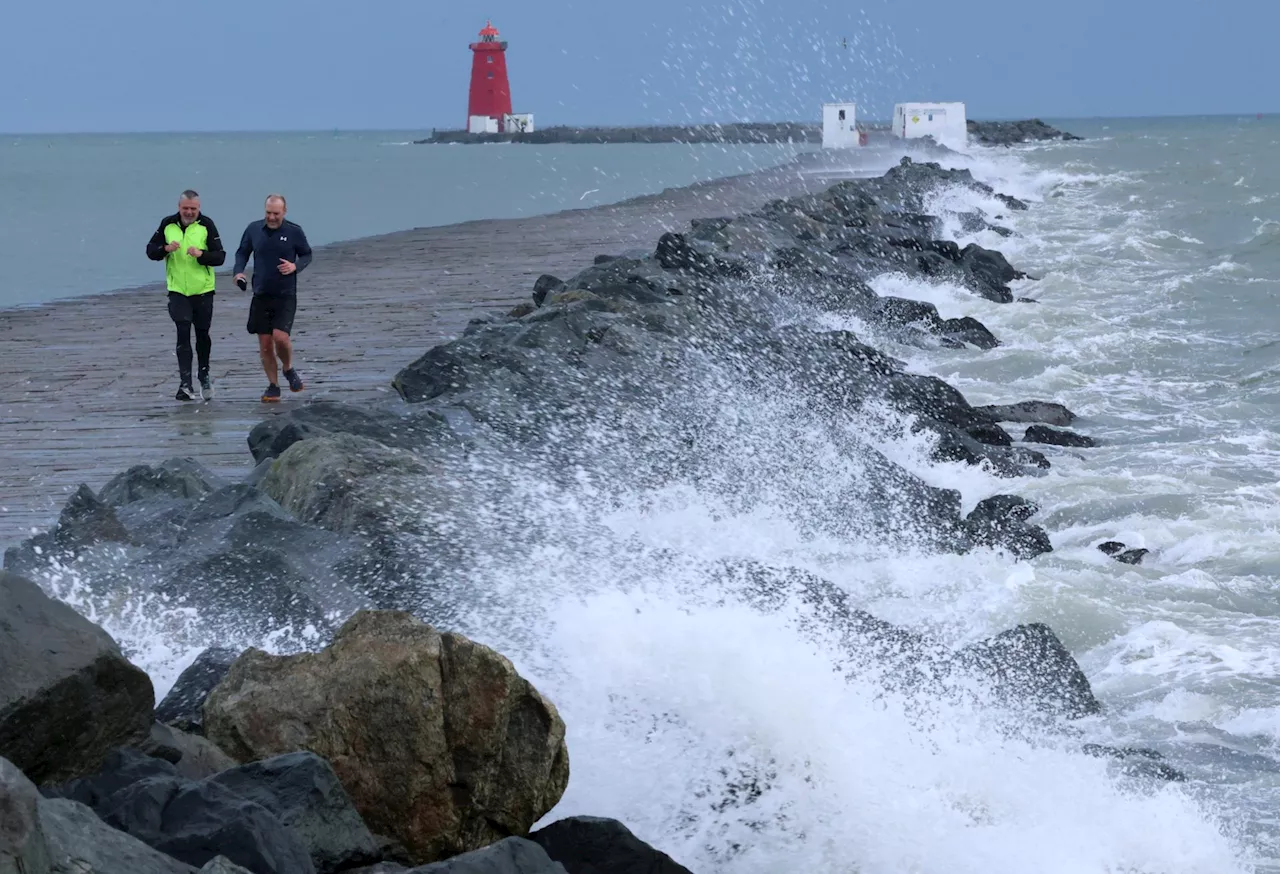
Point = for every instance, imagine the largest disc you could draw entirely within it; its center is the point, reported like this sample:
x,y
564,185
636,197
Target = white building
x,y
839,125
945,122
482,124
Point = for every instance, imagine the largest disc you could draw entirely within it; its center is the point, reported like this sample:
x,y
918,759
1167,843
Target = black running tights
x,y
186,311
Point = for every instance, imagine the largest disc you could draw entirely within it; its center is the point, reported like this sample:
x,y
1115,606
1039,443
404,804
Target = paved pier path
x,y
86,385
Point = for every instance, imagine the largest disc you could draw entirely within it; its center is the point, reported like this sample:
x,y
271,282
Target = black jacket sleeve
x,y
155,246
214,253
303,248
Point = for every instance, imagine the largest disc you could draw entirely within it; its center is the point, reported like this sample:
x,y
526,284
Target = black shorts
x,y
268,313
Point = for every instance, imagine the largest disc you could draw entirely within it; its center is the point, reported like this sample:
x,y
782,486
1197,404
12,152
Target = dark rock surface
x,y
508,856
592,845
67,694
1121,553
1030,411
1030,663
193,821
23,845
305,794
81,843
1026,667
1007,133
1057,437
183,707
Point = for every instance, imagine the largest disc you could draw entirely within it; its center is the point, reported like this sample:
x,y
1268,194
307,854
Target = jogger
x,y
190,246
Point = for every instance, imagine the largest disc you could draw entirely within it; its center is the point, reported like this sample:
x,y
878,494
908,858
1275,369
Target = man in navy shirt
x,y
280,250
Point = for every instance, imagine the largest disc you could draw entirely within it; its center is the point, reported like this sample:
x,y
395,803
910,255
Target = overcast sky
x,y
85,65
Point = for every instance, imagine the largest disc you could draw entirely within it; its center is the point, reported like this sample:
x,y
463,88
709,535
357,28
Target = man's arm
x,y
303,251
155,246
214,254
243,253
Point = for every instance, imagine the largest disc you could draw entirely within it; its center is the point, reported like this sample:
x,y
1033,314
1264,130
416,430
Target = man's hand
x,y
172,247
194,252
240,280
286,267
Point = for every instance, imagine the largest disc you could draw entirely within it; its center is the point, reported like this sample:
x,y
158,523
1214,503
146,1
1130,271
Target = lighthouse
x,y
489,103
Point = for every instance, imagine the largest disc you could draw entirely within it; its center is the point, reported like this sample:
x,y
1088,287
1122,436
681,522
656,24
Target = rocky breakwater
x,y
703,362
397,745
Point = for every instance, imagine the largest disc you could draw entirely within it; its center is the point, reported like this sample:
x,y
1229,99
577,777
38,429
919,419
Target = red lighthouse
x,y
490,91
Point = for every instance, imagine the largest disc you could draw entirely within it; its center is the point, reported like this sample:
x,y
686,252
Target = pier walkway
x,y
86,385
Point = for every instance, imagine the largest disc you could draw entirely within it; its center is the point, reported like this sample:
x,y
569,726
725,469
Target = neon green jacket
x,y
184,274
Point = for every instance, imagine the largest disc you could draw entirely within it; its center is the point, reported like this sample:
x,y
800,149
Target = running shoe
x,y
206,387
295,381
271,395
185,393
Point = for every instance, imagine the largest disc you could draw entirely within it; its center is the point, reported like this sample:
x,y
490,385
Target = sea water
x,y
76,211
727,737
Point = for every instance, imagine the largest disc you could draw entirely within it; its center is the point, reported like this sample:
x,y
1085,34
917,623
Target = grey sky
x,y
84,65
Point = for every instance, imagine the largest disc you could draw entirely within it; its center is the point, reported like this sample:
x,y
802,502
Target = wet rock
x,y
181,478
192,756
508,856
81,843
84,522
67,694
195,822
589,844
989,273
23,847
1120,553
990,434
183,707
1131,556
1029,411
969,330
121,768
1001,521
1057,437
954,444
222,865
544,285
440,743
1029,664
1007,133
519,311
272,436
304,793
1026,667
1136,762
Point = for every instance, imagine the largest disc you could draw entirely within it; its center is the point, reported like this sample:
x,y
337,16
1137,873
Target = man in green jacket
x,y
190,247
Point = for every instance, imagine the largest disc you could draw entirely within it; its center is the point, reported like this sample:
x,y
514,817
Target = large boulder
x,y
67,694
438,740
